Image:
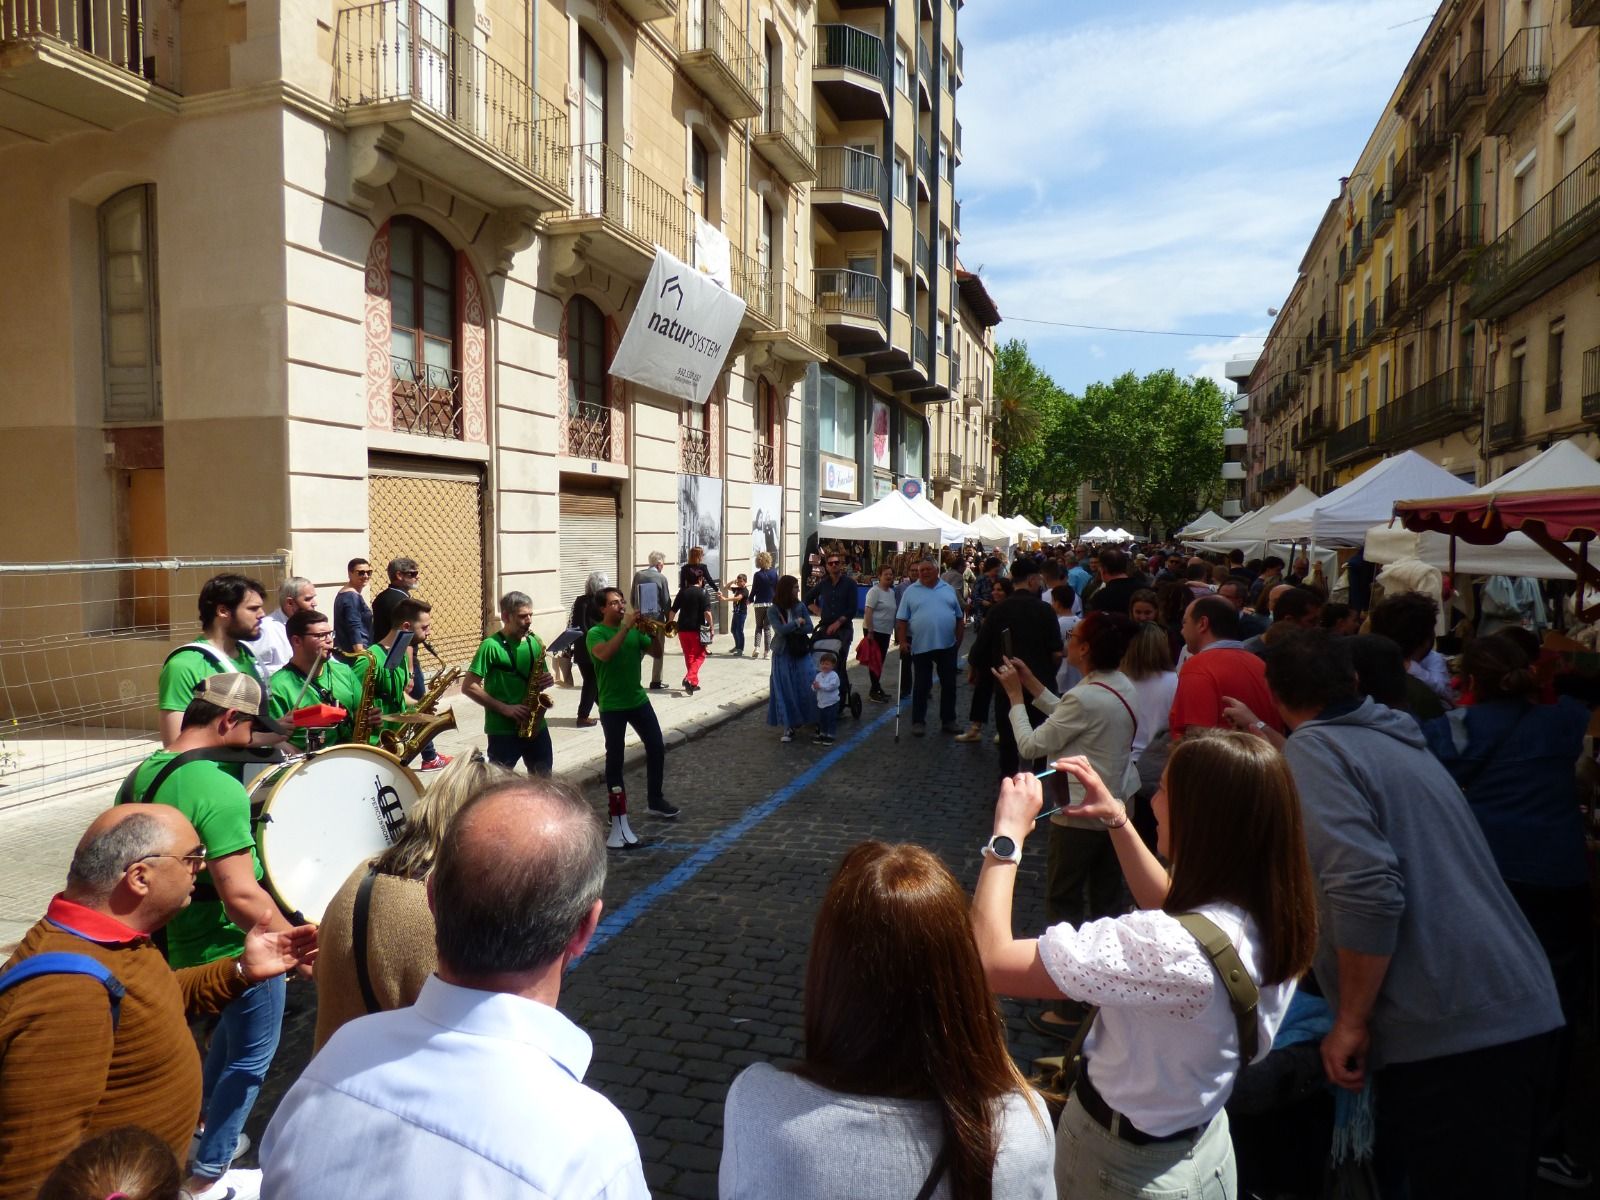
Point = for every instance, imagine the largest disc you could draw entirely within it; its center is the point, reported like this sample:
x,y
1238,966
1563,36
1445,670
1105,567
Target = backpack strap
x,y
125,792
359,937
67,962
1243,995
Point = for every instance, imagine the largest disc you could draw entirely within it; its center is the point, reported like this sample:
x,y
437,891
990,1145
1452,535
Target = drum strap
x,y
358,937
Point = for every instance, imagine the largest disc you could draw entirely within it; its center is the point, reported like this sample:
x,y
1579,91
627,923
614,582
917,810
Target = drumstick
x,y
315,667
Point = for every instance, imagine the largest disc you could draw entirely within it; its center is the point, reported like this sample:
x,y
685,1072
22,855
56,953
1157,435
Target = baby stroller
x,y
848,697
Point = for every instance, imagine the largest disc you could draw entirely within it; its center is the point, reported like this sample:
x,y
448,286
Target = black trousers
x,y
1560,920
1010,756
1083,880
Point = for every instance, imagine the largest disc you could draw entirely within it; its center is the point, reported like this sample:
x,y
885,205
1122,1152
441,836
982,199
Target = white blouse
x,y
1164,1049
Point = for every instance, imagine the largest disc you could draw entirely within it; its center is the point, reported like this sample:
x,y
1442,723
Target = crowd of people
x,y
1294,853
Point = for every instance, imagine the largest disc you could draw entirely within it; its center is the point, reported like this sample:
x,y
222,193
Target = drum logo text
x,y
390,815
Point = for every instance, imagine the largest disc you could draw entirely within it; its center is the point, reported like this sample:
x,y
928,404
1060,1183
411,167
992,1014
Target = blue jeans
x,y
615,726
535,753
241,1050
827,720
923,666
737,629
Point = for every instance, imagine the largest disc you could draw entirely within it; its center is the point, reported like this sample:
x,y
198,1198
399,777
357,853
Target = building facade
x,y
963,464
348,279
1445,302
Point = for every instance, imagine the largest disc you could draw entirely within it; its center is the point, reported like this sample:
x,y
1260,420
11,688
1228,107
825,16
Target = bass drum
x,y
320,817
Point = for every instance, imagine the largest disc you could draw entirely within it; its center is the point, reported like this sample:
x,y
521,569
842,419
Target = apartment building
x,y
348,279
963,473
1443,304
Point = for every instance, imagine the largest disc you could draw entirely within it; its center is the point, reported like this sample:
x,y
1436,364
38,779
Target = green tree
x,y
1153,443
1028,407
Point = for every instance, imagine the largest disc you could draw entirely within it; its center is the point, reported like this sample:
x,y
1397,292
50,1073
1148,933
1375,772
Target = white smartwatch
x,y
1003,849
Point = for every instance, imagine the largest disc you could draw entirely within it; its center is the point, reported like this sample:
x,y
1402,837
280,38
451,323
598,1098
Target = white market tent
x,y
1204,523
993,532
1251,533
1119,534
1023,527
890,519
951,530
1343,516
1095,535
1563,465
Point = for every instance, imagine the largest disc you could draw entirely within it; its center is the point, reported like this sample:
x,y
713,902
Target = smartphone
x,y
1005,644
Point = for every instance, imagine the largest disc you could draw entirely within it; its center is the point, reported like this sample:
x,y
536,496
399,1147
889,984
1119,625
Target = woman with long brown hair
x,y
906,1082
1145,1116
790,702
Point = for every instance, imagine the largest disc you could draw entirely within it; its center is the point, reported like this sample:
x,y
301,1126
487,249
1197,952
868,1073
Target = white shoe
x,y
788,736
622,836
235,1184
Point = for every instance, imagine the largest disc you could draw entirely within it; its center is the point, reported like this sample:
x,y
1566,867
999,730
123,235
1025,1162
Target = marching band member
x,y
390,689
506,675
232,608
618,651
310,638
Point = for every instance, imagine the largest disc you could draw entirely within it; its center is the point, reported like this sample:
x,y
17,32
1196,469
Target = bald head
x,y
120,836
521,867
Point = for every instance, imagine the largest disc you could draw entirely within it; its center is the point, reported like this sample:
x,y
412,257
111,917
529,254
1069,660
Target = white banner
x,y
681,332
712,253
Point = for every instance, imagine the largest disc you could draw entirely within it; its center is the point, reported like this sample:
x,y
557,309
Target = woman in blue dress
x,y
792,702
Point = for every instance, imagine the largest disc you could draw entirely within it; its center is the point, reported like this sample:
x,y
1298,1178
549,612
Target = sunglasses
x,y
195,860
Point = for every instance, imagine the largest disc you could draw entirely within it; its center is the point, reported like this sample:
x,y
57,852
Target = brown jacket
x,y
400,950
65,1075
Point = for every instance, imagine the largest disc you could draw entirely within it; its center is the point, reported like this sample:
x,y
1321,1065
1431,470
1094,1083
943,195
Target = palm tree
x,y
1021,392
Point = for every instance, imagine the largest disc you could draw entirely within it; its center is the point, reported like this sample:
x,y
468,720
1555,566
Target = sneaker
x,y
1564,1171
822,739
239,1147
437,763
234,1184
664,809
658,687
788,736
974,733
918,729
879,697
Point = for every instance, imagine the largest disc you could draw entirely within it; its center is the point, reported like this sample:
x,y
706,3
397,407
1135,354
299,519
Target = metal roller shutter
x,y
588,540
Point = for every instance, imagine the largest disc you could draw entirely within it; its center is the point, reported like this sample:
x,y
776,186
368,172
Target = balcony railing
x,y
1380,212
846,169
589,430
1406,176
1347,263
1465,87
946,468
762,462
1443,404
924,158
1428,140
1350,442
135,36
921,348
787,136
398,51
427,399
955,215
1591,384
800,318
925,66
852,294
1360,243
852,49
1505,413
1546,234
755,284
715,53
694,450
924,256
1369,323
978,477
1461,233
607,185
1519,78
1351,340
1418,273
1394,293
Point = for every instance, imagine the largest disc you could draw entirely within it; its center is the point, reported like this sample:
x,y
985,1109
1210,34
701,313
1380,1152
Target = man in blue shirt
x,y
1077,575
930,620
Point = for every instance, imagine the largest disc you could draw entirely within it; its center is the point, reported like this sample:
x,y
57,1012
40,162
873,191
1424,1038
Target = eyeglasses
x,y
836,562
364,574
195,860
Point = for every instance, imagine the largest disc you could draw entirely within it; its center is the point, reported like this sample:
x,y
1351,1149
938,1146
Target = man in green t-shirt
x,y
231,611
618,650
310,639
390,689
499,679
226,711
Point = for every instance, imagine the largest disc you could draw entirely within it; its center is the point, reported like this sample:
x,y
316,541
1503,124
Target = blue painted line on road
x,y
646,898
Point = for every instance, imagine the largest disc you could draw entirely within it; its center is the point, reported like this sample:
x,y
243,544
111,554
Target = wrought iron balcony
x,y
1406,178
1421,280
1350,443
855,308
1327,333
758,287
946,468
1394,302
924,166
1380,213
1457,239
853,71
972,395
802,321
1351,341
978,477
762,462
786,138
694,451
921,348
1505,413
461,115
427,399
852,188
925,75
1429,143
1550,242
1591,383
1369,323
718,58
589,430
1360,242
1444,404
1347,263
1519,79
1584,12
1464,92
68,66
618,216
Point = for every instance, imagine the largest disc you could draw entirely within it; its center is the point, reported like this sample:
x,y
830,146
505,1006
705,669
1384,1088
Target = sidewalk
x,y
37,839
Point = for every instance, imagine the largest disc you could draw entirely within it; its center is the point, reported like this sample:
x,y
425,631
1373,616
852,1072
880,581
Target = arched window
x,y
422,330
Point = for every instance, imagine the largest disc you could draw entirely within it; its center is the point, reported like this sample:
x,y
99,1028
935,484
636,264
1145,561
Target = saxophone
x,y
361,727
407,741
536,700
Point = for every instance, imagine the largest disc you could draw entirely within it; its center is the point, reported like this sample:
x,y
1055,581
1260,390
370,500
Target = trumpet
x,y
651,627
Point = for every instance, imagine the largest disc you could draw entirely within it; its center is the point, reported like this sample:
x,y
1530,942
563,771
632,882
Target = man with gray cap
x,y
476,1089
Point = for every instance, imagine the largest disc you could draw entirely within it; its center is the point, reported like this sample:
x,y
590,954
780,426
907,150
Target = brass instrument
x,y
361,727
651,627
407,741
536,699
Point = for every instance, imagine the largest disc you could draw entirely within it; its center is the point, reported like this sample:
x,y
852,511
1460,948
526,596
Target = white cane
x,y
899,688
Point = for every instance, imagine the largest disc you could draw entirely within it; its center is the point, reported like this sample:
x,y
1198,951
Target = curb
x,y
594,770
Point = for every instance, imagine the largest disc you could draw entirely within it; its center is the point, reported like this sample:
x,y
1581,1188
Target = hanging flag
x,y
681,332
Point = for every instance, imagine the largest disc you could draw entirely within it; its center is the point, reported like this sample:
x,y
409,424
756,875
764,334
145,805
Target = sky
x,y
1160,164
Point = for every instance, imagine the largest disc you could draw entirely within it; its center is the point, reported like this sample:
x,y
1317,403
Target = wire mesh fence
x,y
81,648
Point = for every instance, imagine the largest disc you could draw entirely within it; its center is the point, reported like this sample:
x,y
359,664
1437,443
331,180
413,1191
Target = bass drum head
x,y
322,817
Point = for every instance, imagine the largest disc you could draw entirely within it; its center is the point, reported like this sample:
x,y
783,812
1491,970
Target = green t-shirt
x,y
219,808
184,669
389,692
617,680
505,667
336,684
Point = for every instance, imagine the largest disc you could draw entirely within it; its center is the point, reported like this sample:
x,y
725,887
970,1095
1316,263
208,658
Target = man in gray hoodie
x,y
1438,986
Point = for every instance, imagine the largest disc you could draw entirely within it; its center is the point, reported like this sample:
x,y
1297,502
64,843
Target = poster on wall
x,y
700,520
880,435
766,523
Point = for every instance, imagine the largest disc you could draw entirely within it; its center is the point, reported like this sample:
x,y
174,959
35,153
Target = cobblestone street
x,y
700,966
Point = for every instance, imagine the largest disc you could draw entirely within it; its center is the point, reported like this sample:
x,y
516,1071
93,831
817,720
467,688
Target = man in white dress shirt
x,y
271,647
477,1089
